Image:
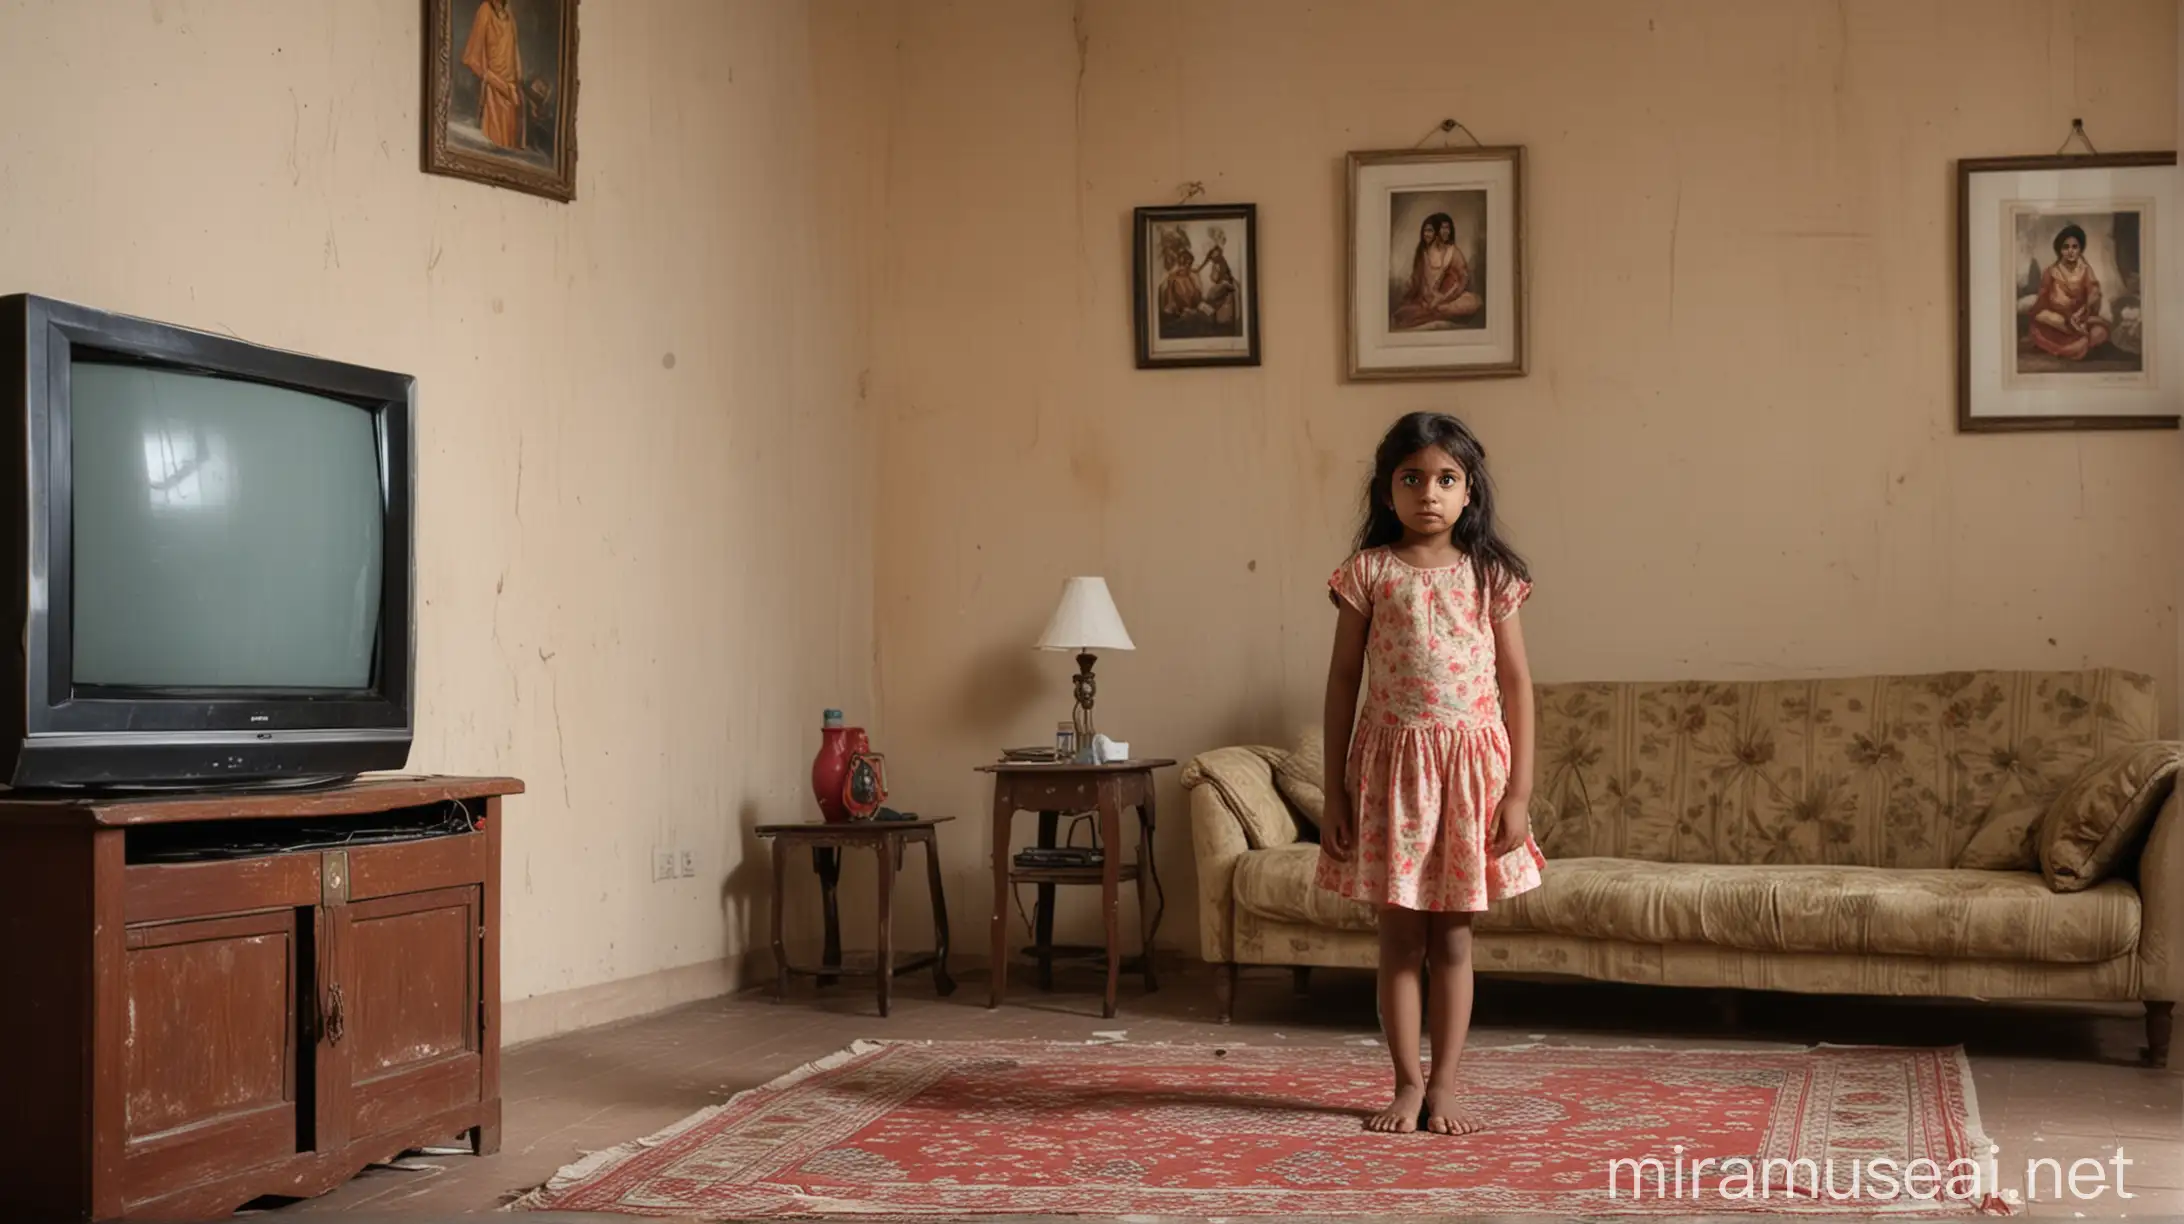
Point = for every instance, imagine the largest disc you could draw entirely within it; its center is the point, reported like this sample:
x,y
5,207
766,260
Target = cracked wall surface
x,y
1735,453
643,531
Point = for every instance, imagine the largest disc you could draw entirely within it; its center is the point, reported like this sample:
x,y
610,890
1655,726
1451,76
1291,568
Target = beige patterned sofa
x,y
1996,835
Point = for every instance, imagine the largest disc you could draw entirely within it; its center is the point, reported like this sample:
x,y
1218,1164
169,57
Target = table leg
x,y
1004,810
1111,886
827,861
941,981
1043,916
780,944
887,849
1148,913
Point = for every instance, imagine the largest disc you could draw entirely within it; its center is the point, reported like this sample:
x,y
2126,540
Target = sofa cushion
x,y
1873,771
1277,884
1944,914
1244,778
1966,915
1300,773
2101,814
2009,832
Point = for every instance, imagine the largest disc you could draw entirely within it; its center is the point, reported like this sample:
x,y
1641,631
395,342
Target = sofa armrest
x,y
2161,904
1225,786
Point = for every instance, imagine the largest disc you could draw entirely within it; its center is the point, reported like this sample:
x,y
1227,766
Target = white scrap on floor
x,y
407,1164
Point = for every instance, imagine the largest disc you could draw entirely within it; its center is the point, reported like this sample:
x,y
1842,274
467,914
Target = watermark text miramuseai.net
x,y
1965,1179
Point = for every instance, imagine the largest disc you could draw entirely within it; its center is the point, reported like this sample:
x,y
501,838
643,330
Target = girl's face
x,y
1428,491
2070,252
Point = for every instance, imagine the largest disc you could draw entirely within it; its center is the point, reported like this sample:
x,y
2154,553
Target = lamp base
x,y
1081,715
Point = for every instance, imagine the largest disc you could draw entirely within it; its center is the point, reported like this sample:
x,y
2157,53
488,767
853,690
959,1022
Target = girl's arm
x,y
1345,670
1512,823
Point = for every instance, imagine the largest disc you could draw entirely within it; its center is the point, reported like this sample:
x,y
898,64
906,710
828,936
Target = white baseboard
x,y
566,1011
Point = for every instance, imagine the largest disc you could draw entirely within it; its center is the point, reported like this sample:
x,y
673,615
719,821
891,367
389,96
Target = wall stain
x,y
1093,469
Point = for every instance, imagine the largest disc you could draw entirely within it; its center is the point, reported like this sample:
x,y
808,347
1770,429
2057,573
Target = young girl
x,y
1425,814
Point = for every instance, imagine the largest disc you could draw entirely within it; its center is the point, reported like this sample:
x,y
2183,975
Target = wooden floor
x,y
2051,1082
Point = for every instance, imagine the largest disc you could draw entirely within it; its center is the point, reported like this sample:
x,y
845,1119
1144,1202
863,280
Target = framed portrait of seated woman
x,y
1436,263
2066,293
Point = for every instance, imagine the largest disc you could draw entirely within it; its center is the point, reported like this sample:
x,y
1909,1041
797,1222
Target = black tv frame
x,y
55,734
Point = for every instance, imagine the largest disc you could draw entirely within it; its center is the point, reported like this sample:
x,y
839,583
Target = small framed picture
x,y
1196,285
1436,263
500,93
2064,291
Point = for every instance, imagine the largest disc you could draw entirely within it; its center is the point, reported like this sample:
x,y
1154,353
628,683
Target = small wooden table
x,y
887,838
1052,789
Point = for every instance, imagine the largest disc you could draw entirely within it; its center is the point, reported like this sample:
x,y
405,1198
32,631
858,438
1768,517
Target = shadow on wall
x,y
747,892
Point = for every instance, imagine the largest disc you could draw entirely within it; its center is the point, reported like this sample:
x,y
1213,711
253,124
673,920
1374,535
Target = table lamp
x,y
1085,621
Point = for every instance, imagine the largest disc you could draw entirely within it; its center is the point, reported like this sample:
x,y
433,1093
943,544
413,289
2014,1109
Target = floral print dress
x,y
1429,756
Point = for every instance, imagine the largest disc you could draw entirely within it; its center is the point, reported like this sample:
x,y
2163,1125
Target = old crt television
x,y
206,561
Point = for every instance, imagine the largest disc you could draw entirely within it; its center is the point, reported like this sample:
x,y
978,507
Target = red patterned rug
x,y
1032,1128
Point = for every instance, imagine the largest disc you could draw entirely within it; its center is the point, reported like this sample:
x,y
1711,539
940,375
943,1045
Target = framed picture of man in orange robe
x,y
500,93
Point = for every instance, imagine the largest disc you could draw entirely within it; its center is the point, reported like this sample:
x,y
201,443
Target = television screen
x,y
228,534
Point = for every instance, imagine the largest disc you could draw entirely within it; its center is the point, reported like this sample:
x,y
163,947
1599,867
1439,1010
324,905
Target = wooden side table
x,y
1053,789
887,838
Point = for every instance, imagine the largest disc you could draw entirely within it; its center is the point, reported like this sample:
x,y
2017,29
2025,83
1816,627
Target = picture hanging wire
x,y
1442,129
2077,133
1190,191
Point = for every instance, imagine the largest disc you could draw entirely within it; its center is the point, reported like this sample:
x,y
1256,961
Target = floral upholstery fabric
x,y
1299,773
1976,915
1244,779
1890,771
1772,835
1264,941
1971,915
1279,884
2101,814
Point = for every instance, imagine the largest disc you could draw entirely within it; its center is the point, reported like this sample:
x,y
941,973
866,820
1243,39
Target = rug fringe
x,y
1994,1202
594,1163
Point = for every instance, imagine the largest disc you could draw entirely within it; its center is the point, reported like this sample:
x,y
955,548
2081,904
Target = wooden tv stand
x,y
181,1037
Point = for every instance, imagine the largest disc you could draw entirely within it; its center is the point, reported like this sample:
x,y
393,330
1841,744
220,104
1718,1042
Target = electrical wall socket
x,y
663,864
687,860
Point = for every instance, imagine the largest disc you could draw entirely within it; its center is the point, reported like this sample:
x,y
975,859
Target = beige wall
x,y
1735,455
645,528
888,243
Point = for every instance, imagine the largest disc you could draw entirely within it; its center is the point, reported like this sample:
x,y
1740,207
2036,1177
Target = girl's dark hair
x,y
2069,232
1492,559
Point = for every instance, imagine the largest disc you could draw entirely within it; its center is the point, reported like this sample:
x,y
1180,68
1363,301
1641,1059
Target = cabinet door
x,y
407,1046
212,1046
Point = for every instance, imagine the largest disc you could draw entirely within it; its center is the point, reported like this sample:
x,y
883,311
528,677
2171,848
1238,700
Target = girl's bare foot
x,y
1401,1115
1445,1116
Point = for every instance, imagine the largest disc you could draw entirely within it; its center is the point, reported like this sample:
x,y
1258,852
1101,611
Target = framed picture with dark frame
x,y
500,93
2064,291
1435,266
1196,285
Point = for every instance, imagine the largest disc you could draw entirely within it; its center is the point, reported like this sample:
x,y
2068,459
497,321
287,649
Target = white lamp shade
x,y
1086,619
